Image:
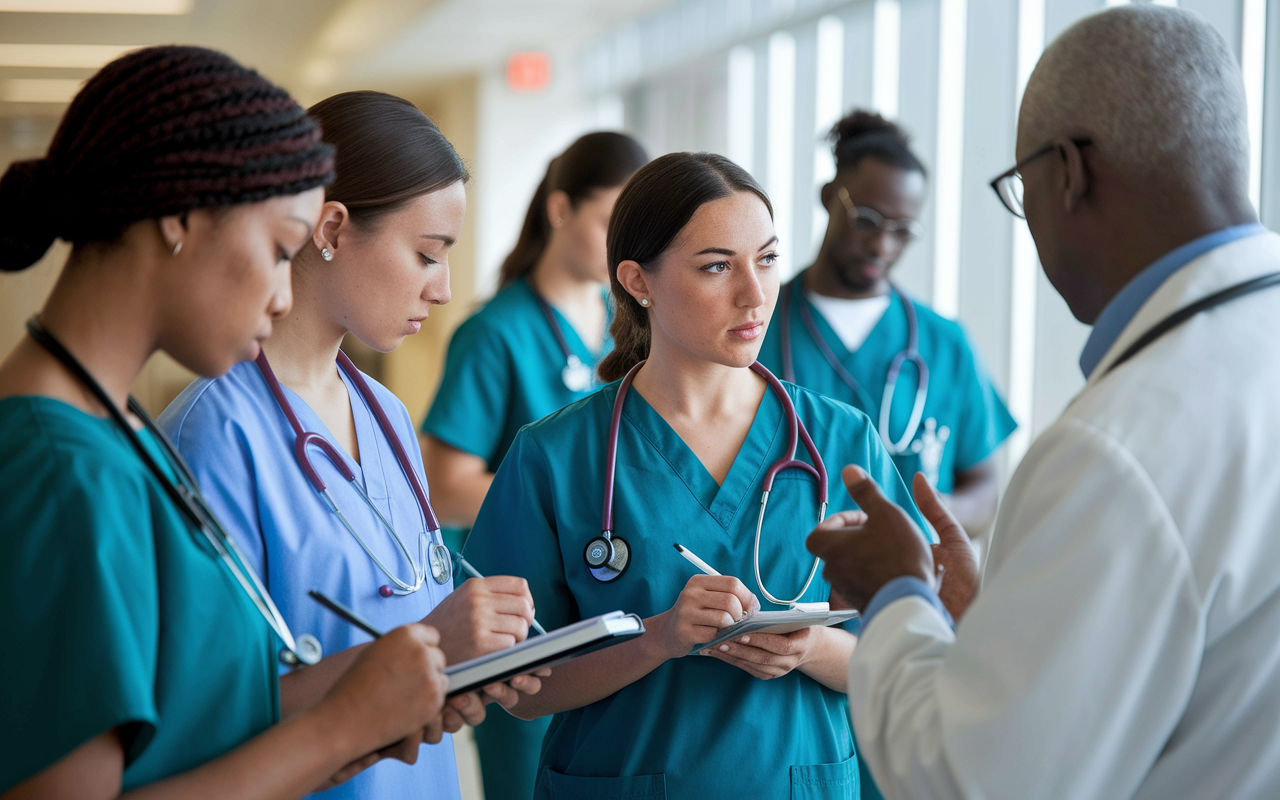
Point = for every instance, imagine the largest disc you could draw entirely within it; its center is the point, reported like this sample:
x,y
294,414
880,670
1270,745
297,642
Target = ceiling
x,y
313,47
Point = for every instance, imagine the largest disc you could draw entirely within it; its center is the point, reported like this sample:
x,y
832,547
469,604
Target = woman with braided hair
x,y
139,653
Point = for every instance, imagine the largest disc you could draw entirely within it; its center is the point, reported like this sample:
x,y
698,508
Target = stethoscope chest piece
x,y
441,562
576,375
308,652
607,557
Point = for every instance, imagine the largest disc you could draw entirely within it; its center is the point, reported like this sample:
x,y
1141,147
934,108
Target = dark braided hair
x,y
156,132
865,134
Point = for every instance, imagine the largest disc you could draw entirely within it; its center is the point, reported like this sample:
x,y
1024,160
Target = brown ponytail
x,y
602,160
656,204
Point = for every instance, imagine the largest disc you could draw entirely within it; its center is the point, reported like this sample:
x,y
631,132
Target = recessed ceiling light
x,y
99,6
40,90
82,56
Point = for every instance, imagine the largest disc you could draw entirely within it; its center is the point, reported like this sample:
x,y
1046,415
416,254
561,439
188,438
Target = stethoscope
x,y
910,353
186,495
576,375
608,556
432,553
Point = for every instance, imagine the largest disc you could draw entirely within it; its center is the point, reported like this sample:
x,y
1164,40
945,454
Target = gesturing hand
x,y
861,558
954,555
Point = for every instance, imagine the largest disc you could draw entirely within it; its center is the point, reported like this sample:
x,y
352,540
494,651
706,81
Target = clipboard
x,y
804,615
548,650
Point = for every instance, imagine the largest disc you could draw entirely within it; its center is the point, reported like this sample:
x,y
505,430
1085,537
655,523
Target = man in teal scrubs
x,y
840,324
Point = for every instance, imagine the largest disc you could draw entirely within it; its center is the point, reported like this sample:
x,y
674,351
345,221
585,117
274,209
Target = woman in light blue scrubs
x,y
136,659
376,263
839,326
530,350
695,278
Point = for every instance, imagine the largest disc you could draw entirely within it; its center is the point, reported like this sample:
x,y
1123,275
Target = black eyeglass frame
x,y
1016,170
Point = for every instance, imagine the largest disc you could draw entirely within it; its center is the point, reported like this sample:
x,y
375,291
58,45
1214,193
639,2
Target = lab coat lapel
x,y
1215,270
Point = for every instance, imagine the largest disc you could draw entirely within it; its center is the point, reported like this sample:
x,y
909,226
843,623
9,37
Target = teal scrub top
x,y
695,727
502,371
964,418
115,613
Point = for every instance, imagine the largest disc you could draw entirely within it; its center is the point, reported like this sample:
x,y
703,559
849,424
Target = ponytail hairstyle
x,y
157,132
864,134
602,160
651,211
389,153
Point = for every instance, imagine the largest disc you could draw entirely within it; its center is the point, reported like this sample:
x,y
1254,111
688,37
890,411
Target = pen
x,y
473,572
345,613
694,560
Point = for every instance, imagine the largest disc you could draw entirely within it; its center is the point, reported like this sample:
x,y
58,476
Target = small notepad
x,y
804,615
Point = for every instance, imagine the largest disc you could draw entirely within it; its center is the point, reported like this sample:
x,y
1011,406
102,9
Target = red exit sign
x,y
529,71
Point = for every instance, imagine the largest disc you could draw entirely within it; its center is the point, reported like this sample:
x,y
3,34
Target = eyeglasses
x,y
868,220
1008,185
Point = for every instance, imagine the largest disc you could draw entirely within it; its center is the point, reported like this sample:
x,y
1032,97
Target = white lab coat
x,y
1126,640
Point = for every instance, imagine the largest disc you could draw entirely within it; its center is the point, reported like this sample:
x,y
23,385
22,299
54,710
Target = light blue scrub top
x,y
503,371
240,446
695,727
961,398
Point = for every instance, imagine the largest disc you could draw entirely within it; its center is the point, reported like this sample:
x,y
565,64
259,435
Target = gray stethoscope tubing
x,y
575,375
433,555
186,495
910,353
797,433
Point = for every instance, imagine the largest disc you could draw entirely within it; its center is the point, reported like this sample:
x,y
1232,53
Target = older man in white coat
x,y
1125,642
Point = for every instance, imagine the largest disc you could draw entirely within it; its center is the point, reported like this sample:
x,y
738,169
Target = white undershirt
x,y
852,320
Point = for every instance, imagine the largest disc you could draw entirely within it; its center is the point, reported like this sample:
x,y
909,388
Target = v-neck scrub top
x,y
963,413
115,612
241,448
695,727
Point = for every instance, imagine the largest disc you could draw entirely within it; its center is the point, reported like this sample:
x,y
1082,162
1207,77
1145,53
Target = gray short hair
x,y
1157,89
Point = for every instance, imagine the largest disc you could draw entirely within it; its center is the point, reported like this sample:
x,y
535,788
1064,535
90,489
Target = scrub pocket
x,y
826,781
635,787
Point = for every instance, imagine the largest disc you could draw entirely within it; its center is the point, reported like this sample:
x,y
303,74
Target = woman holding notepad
x,y
680,451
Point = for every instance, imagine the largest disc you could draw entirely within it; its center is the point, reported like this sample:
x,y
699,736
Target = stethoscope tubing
x,y
796,434
305,439
910,353
184,492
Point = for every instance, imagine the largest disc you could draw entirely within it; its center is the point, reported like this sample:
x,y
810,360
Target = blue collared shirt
x,y
1124,306
899,588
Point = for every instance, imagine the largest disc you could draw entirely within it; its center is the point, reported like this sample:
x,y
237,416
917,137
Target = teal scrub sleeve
x,y
79,615
473,402
985,421
216,449
515,532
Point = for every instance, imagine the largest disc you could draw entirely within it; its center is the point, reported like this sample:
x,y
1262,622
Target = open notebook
x,y
547,650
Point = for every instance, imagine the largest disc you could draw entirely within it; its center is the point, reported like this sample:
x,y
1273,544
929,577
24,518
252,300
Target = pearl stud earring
x,y
644,301
326,254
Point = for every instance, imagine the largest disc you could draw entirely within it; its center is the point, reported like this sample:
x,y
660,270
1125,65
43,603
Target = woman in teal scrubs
x,y
840,323
530,350
136,655
695,278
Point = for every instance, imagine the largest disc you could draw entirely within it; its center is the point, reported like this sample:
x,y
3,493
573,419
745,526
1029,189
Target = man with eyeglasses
x,y
1125,642
843,329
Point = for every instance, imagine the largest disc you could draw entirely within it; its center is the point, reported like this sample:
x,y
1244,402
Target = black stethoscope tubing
x,y
185,494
